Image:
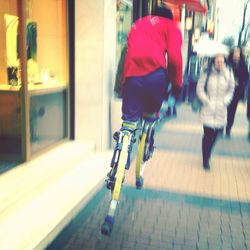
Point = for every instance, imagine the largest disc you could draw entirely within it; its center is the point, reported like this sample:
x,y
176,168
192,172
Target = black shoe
x,y
206,166
228,133
220,134
174,112
168,113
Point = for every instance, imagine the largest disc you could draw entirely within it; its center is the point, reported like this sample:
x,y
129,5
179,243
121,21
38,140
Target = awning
x,y
192,5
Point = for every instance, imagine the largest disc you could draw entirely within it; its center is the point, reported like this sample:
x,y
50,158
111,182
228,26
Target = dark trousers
x,y
143,94
248,104
231,110
208,141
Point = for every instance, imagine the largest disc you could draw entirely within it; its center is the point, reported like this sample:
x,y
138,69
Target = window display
x,y
47,71
11,26
10,102
45,89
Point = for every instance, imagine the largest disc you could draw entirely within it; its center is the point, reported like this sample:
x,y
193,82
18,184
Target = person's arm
x,y
245,74
230,91
200,89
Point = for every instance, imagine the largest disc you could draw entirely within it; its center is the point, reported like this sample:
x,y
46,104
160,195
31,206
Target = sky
x,y
230,17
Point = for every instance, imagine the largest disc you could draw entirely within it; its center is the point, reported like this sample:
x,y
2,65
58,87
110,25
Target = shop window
x,y
10,103
47,66
44,93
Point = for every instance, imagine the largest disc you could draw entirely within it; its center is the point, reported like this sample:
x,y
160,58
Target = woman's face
x,y
219,62
236,55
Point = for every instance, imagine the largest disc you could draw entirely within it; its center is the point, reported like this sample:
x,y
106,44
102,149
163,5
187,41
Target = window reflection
x,y
11,25
47,77
48,116
123,25
47,72
10,102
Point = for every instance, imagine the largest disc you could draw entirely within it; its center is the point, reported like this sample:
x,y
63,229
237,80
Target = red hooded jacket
x,y
149,39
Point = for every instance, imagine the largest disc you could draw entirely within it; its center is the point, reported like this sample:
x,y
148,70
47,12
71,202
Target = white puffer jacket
x,y
219,93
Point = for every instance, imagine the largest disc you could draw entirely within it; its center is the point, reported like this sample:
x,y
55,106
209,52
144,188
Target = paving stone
x,y
239,245
246,234
247,244
155,244
192,236
166,242
190,242
155,236
226,232
179,240
170,233
227,247
127,244
202,245
178,247
237,234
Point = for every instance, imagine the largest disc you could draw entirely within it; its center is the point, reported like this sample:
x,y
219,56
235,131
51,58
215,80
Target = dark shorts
x,y
143,94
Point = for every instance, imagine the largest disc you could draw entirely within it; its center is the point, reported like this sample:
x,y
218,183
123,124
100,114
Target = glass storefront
x,y
34,83
47,67
10,101
123,24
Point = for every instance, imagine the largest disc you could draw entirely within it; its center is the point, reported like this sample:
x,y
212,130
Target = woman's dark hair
x,y
163,11
212,61
230,57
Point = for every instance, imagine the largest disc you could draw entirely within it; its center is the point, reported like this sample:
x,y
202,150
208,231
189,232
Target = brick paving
x,y
181,206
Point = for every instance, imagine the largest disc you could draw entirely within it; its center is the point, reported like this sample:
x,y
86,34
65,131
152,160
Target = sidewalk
x,y
38,198
181,205
179,151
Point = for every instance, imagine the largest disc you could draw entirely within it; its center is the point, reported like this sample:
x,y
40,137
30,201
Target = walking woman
x,y
238,64
215,89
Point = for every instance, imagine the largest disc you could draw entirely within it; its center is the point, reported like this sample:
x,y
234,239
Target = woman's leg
x,y
231,113
248,130
248,112
208,141
217,131
205,147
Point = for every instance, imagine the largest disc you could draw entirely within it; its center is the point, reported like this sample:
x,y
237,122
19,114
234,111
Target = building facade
x,y
57,71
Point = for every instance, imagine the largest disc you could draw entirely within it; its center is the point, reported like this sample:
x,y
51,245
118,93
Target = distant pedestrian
x,y
238,64
248,111
171,111
215,98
